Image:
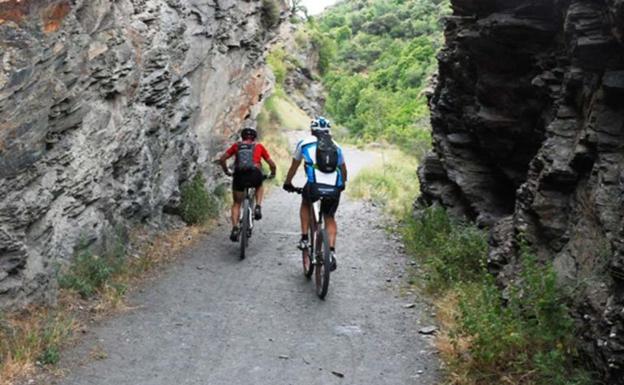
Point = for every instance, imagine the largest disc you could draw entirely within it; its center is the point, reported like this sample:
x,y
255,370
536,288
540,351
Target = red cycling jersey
x,y
259,152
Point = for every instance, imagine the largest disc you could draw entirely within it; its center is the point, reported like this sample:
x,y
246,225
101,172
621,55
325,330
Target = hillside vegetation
x,y
376,60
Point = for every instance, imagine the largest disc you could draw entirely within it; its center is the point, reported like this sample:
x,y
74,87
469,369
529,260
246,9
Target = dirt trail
x,y
213,319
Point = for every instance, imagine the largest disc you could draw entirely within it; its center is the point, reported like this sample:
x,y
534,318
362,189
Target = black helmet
x,y
249,132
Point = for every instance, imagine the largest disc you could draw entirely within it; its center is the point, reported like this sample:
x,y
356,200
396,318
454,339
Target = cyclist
x,y
247,173
326,173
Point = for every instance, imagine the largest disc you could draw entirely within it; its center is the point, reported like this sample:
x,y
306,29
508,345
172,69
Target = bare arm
x,y
272,166
223,163
292,171
343,169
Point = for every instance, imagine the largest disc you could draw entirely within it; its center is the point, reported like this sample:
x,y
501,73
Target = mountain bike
x,y
246,222
316,257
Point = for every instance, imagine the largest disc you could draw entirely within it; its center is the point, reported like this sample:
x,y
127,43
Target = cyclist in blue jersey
x,y
326,173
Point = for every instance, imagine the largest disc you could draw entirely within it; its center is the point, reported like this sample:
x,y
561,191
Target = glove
x,y
288,187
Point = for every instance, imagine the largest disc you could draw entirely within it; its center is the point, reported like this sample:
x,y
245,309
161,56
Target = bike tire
x,y
322,265
244,229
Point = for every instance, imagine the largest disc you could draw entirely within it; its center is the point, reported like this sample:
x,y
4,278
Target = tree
x,y
296,7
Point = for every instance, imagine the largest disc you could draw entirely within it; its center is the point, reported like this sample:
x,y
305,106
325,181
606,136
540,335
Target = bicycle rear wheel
x,y
244,228
322,264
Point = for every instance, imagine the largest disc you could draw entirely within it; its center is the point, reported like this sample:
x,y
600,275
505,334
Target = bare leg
x,y
259,195
236,205
304,214
332,229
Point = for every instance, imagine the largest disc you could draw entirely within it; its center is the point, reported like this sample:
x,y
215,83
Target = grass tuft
x,y
33,336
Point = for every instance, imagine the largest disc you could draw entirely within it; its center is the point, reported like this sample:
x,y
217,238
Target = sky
x,y
316,6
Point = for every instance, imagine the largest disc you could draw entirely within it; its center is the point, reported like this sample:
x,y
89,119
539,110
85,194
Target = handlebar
x,y
297,190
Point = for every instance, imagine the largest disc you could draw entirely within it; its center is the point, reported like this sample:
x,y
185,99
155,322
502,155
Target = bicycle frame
x,y
315,215
316,223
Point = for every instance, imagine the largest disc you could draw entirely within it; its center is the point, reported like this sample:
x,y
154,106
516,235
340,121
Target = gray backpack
x,y
244,157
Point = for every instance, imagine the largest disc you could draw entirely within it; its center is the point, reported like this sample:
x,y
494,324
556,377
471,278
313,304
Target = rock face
x,y
528,134
106,107
303,78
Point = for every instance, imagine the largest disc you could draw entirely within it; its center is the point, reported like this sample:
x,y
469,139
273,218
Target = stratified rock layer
x,y
106,107
528,134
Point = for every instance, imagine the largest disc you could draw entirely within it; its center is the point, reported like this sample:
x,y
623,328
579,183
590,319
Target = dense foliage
x,y
377,57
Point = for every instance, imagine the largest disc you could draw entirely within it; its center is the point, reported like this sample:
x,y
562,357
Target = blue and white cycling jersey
x,y
306,150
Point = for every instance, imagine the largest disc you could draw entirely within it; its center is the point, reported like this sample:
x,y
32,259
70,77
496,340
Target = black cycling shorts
x,y
247,179
329,195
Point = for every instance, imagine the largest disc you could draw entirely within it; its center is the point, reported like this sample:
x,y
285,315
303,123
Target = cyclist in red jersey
x,y
247,173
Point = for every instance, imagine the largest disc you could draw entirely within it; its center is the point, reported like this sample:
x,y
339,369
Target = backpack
x,y
244,157
326,153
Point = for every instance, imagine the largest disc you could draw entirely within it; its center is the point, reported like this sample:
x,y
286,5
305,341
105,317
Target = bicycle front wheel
x,y
244,229
322,265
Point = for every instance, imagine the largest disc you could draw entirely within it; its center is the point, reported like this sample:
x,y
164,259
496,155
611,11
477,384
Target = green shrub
x,y
197,205
529,336
50,356
270,13
302,39
89,272
452,251
326,48
277,62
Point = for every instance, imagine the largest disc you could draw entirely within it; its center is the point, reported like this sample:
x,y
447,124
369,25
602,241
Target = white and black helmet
x,y
320,124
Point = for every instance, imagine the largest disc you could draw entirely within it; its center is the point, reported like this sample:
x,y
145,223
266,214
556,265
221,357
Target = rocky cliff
x,y
302,81
528,137
106,108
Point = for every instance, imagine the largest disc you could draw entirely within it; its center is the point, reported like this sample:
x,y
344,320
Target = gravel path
x,y
213,319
